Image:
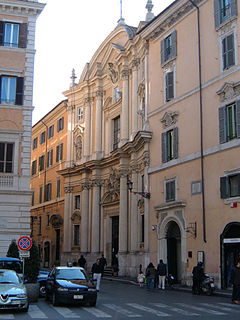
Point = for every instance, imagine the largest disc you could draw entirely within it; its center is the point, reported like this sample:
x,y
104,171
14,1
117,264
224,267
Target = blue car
x,y
42,277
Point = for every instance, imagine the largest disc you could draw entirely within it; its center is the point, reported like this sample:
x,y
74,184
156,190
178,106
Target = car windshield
x,y
9,277
71,274
11,265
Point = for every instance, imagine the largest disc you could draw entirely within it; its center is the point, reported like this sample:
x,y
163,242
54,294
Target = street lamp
x,y
130,188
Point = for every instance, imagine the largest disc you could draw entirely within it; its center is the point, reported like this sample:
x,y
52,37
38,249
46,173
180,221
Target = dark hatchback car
x,y
70,285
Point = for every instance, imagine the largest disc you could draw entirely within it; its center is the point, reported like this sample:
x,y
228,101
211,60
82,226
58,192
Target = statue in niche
x,y
112,72
78,147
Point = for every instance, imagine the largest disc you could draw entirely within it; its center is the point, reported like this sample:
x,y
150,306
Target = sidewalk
x,y
176,287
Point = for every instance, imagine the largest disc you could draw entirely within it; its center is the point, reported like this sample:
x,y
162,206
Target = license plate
x,y
78,296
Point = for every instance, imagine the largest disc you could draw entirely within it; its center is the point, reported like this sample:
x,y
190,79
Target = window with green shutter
x,y
169,83
170,190
169,47
229,122
170,145
224,10
230,186
228,52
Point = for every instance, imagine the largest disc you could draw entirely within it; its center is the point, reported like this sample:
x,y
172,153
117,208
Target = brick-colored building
x,y
49,147
17,50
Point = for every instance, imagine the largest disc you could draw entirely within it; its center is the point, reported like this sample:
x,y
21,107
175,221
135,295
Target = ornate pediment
x,y
110,197
229,91
169,118
78,130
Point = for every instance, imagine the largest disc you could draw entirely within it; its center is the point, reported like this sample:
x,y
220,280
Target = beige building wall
x,y
16,65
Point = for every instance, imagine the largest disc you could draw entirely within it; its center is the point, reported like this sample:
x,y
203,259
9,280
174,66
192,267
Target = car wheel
x,y
42,290
54,299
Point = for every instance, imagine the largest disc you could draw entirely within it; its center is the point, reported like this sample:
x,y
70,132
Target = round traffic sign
x,y
24,243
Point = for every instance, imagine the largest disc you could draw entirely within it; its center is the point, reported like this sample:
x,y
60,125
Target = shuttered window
x,y
169,83
230,186
41,163
58,187
76,235
229,122
224,10
169,47
50,131
34,167
49,158
170,191
6,157
228,52
11,90
40,194
170,145
13,34
42,137
59,152
48,192
60,124
116,132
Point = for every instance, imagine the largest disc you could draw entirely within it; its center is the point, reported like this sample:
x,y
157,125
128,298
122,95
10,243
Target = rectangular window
x,y
169,47
230,186
41,163
169,83
77,202
224,10
170,145
59,152
35,141
142,183
229,122
48,220
42,137
11,90
40,194
50,158
76,234
39,225
33,196
170,191
228,52
80,114
60,124
50,131
34,167
6,157
58,187
11,34
116,132
48,192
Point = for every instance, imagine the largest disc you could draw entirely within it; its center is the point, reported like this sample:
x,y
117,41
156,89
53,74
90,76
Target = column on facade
x,y
146,71
134,214
125,107
87,131
96,216
135,64
67,243
98,124
123,214
85,218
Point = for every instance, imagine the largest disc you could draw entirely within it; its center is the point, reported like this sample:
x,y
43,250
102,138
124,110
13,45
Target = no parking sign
x,y
25,243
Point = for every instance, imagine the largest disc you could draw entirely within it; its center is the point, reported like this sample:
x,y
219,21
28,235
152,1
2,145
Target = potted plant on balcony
x,y
31,271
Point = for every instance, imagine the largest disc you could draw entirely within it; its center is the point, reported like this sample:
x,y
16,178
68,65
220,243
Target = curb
x,y
184,289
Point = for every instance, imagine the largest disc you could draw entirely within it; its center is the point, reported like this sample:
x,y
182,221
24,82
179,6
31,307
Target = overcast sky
x,y
68,33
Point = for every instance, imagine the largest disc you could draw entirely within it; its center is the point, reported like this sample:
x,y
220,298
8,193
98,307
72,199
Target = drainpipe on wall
x,y
201,122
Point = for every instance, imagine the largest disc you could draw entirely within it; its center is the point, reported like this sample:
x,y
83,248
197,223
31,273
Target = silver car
x,y
13,294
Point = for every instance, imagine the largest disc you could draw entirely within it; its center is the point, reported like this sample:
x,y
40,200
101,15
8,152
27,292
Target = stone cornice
x,y
169,17
23,8
170,205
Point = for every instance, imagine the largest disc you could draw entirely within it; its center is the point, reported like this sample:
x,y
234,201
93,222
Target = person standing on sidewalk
x,y
103,263
235,281
162,272
97,273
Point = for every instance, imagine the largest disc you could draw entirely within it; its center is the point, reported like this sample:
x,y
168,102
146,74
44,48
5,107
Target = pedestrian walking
x,y
162,272
150,275
115,268
103,263
140,279
198,276
97,273
82,261
235,281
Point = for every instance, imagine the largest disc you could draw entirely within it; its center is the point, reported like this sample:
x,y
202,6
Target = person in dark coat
x,y
150,275
103,263
97,273
198,276
235,281
161,272
82,261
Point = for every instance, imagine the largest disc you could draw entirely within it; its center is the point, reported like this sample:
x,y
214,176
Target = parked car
x,y
42,278
12,264
13,294
70,285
